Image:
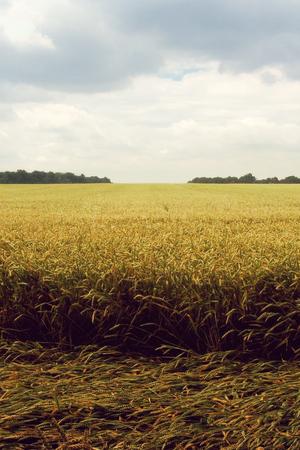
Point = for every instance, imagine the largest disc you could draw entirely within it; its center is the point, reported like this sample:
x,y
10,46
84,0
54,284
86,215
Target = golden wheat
x,y
203,268
166,272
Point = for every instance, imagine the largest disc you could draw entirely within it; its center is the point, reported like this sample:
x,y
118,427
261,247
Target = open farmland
x,y
150,316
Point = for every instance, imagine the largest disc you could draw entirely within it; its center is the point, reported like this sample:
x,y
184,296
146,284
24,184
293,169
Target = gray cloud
x,y
99,46
150,90
242,35
86,54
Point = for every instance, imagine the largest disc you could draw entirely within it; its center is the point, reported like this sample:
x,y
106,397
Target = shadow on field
x,y
259,320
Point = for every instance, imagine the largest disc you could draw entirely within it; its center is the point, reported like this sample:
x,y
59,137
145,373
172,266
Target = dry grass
x,y
101,399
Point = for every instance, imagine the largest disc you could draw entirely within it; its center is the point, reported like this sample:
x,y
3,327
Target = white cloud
x,y
159,129
150,91
21,21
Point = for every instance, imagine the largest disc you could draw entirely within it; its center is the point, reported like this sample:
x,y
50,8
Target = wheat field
x,y
150,316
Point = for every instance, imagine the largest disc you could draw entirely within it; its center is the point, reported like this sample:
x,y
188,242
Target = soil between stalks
x,y
99,398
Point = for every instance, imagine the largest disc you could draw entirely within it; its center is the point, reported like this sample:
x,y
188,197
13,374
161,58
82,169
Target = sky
x,y
150,91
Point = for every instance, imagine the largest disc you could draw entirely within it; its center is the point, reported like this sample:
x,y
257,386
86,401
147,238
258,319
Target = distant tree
x,y
248,178
51,178
291,180
231,180
38,177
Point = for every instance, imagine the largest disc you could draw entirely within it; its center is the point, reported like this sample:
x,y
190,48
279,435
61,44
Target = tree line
x,y
39,177
248,178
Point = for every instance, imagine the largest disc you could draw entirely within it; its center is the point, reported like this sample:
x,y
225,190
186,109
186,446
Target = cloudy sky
x,y
150,90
